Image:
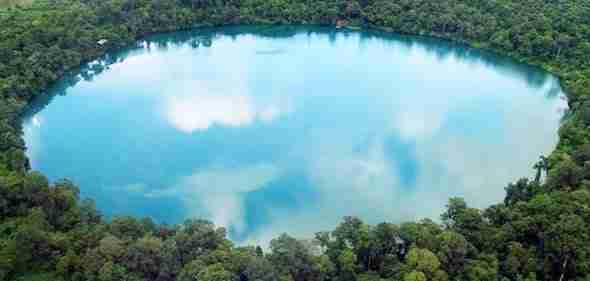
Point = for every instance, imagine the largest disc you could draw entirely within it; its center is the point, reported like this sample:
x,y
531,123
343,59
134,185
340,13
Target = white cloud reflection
x,y
367,183
32,137
217,193
201,111
204,109
451,158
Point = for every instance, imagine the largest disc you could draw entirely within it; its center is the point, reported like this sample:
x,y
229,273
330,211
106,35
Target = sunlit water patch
x,y
270,130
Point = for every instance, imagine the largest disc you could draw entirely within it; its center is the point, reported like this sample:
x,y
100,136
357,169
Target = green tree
x,y
69,264
291,258
568,242
111,247
484,268
415,276
455,208
452,252
190,272
144,257
8,253
565,175
426,263
197,238
216,272
113,272
127,228
347,263
518,262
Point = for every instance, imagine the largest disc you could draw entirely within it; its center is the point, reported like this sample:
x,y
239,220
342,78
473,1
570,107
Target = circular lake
x,y
267,130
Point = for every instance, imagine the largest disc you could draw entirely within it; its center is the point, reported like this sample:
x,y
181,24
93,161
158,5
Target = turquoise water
x,y
266,130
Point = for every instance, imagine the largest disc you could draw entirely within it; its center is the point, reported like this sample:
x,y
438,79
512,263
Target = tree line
x,y
540,232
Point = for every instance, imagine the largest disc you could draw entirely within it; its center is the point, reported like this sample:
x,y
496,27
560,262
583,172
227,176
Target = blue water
x,y
272,129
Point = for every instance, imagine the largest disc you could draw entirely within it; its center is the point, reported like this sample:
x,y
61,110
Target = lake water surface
x,y
267,130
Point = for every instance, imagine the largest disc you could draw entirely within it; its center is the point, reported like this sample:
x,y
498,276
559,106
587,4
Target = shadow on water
x,y
86,72
442,49
535,77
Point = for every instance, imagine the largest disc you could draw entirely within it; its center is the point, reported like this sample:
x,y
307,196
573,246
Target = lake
x,y
266,130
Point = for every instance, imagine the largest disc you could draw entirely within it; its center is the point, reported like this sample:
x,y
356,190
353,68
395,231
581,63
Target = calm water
x,y
266,130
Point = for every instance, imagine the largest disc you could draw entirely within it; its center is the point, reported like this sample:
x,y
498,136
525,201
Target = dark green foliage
x,y
292,259
540,232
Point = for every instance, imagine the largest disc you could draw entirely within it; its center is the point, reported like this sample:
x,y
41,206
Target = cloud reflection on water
x,y
384,129
198,107
217,192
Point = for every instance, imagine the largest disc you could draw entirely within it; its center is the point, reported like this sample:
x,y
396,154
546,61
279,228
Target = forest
x,y
541,231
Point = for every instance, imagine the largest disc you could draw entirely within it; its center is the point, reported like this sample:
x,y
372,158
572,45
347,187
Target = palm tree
x,y
541,166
